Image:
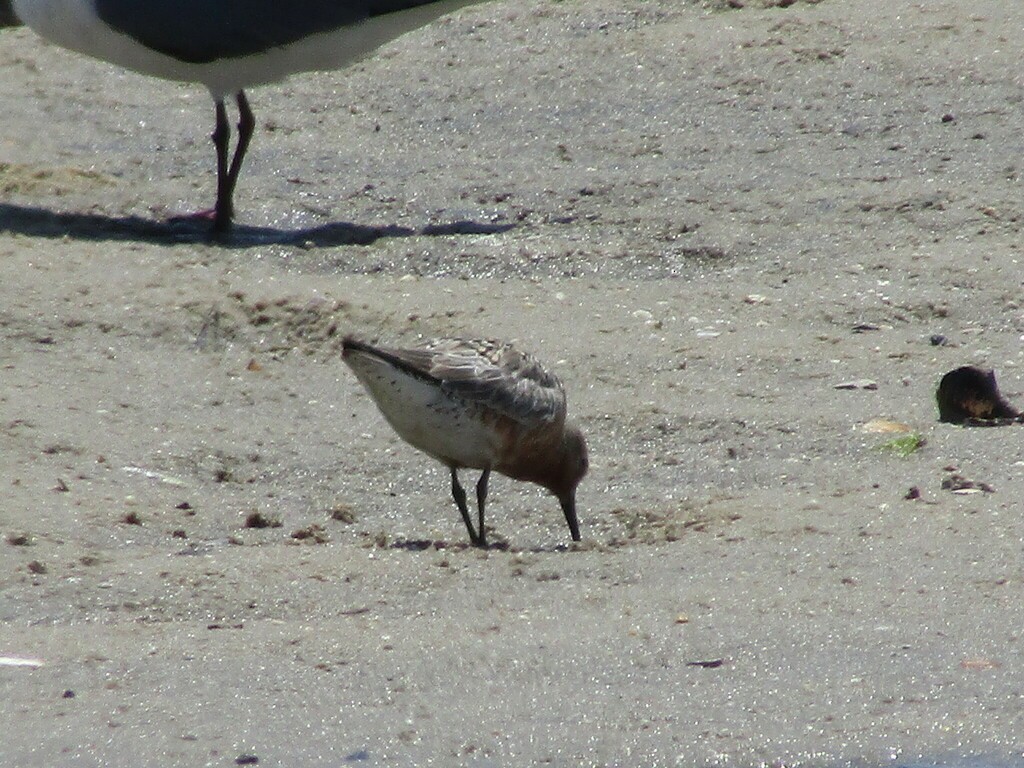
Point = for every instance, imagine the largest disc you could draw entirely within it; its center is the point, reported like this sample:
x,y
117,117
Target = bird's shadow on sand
x,y
440,545
42,222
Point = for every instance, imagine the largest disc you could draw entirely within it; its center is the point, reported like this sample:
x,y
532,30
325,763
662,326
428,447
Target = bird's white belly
x,y
73,24
429,420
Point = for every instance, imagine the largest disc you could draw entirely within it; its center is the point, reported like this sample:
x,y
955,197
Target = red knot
x,y
477,404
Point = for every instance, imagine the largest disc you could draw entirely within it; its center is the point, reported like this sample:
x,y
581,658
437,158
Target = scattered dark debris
x,y
259,520
239,625
913,493
36,567
960,484
416,545
68,694
184,506
19,539
970,396
650,526
865,327
61,486
938,340
709,664
56,448
313,533
179,533
733,5
245,759
343,513
354,611
132,518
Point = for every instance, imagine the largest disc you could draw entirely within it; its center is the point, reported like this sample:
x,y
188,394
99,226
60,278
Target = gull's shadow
x,y
41,222
421,545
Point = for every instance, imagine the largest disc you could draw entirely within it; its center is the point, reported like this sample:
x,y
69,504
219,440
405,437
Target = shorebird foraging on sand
x,y
228,46
477,405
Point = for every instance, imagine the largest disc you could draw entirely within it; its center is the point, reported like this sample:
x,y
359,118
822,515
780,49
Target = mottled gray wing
x,y
201,31
499,377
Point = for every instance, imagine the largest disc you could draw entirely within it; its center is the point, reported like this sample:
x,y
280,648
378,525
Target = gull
x,y
228,46
477,404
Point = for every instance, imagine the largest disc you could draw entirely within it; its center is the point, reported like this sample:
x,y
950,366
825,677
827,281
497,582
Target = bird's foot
x,y
208,217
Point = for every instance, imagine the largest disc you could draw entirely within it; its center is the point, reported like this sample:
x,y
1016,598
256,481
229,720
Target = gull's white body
x,y
74,24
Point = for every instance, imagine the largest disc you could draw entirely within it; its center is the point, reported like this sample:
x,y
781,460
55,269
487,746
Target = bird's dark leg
x,y
221,137
227,176
481,498
460,501
246,125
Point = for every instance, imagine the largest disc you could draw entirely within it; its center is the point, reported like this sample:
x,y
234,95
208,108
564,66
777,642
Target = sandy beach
x,y
750,237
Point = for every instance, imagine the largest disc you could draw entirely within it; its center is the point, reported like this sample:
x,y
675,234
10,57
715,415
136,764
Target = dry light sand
x,y
704,218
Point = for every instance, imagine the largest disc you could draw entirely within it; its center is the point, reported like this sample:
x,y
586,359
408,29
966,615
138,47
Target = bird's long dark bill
x,y
569,507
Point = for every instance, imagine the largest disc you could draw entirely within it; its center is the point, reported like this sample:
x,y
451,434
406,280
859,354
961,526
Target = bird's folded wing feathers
x,y
494,375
